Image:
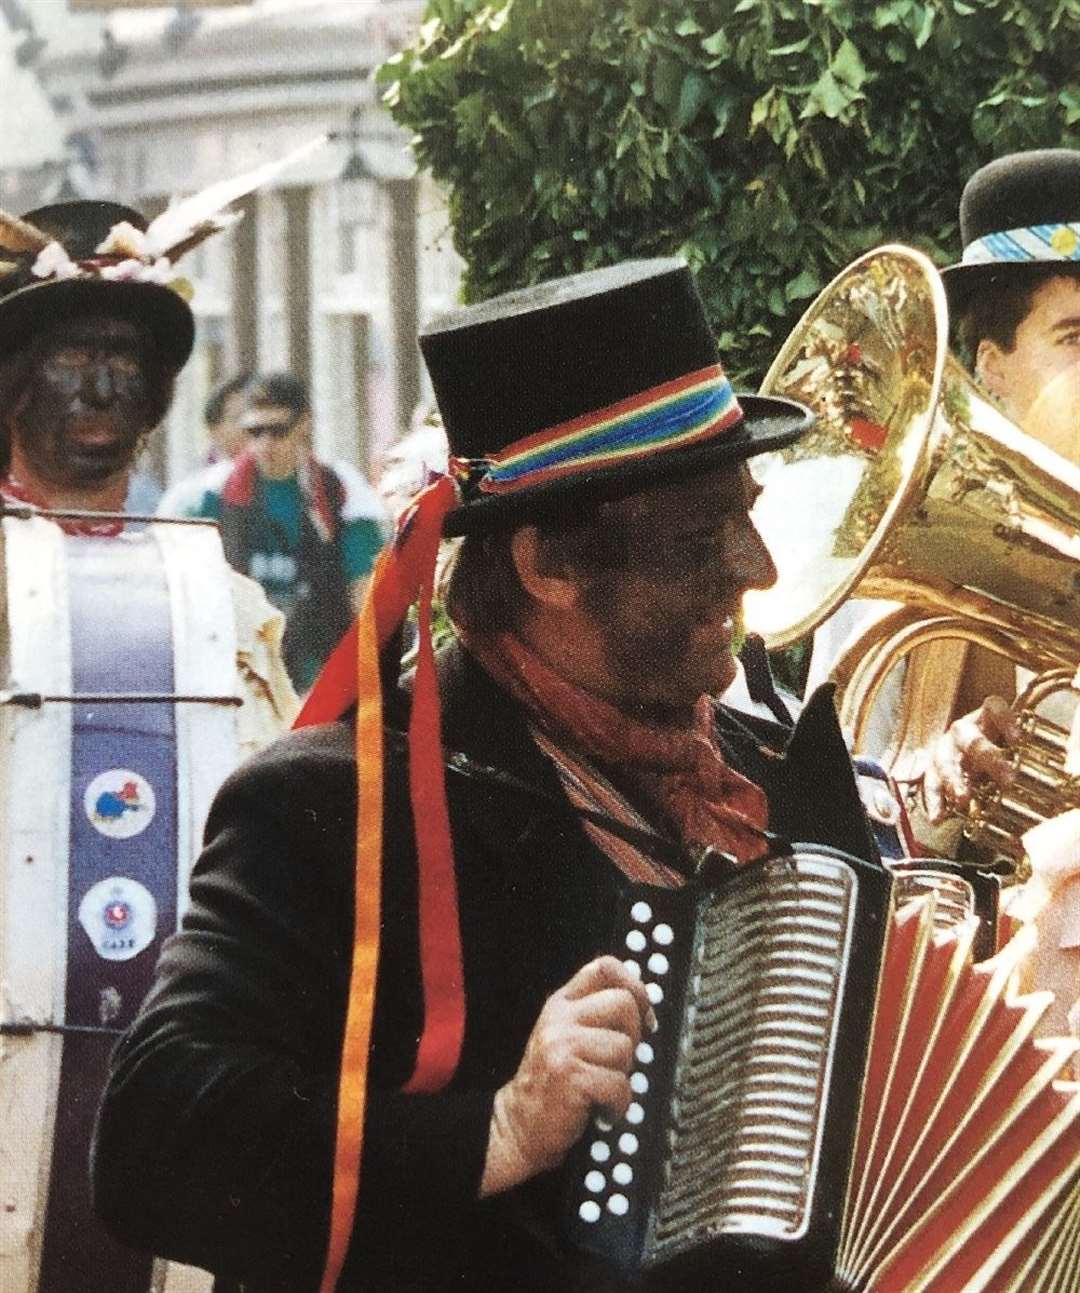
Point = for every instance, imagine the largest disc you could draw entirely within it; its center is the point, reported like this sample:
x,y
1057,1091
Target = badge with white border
x,y
119,803
119,916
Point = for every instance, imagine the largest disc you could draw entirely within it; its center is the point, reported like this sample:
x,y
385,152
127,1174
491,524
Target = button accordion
x,y
837,1097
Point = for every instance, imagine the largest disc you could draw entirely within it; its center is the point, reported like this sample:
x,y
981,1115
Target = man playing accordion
x,y
391,1012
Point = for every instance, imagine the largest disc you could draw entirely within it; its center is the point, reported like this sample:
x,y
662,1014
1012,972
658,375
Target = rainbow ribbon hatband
x,y
670,416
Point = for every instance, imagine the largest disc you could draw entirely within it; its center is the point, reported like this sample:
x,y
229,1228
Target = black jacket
x,y
214,1141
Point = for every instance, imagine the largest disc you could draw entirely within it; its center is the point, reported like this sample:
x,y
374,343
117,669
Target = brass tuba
x,y
913,487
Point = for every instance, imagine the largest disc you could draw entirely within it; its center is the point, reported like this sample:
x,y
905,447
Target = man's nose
x,y
755,566
99,384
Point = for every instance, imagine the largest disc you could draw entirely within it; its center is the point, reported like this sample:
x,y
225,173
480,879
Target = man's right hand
x,y
578,1058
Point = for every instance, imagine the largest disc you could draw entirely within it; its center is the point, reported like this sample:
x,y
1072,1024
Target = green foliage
x,y
769,141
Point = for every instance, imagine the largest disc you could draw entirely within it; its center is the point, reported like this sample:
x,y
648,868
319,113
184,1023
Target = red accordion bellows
x,y
966,1171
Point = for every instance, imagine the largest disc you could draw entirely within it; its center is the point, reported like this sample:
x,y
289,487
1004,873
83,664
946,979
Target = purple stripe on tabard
x,y
121,641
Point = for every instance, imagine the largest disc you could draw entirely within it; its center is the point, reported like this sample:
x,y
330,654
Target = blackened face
x,y
668,611
93,389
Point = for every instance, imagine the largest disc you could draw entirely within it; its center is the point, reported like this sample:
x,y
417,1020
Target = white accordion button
x,y
628,1143
595,1182
639,1083
634,1114
644,1053
601,1123
599,1151
634,968
641,912
619,1205
622,1173
658,963
664,935
654,992
635,941
589,1211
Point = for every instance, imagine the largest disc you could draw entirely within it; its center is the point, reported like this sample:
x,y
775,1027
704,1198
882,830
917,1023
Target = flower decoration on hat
x,y
1065,240
128,254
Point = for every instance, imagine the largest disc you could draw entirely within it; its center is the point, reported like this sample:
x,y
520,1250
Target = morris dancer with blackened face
x,y
92,336
90,354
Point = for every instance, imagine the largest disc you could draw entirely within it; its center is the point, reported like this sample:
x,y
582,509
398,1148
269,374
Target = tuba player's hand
x,y
973,750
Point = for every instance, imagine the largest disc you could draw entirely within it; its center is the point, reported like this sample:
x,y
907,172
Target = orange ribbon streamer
x,y
402,573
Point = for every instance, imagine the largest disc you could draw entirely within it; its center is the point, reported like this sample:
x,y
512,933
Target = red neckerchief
x,y
684,770
16,493
239,491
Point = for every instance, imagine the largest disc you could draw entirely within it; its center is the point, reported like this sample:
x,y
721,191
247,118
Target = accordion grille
x,y
955,896
755,1054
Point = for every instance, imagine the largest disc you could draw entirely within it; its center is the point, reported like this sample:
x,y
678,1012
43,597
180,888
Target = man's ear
x,y
550,587
990,367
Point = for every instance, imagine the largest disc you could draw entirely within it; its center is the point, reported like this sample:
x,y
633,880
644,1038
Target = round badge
x,y
119,803
119,916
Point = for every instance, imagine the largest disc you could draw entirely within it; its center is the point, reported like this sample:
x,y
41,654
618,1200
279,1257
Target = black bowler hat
x,y
71,276
587,388
1019,221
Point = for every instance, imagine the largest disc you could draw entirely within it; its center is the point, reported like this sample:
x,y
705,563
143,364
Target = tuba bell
x,y
913,488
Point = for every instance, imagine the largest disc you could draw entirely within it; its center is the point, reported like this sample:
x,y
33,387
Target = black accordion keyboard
x,y
734,1149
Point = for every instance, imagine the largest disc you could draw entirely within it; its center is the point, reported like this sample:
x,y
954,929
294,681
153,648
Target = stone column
x,y
404,305
245,288
297,204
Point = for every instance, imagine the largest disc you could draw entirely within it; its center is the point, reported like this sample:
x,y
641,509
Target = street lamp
x,y
357,193
355,167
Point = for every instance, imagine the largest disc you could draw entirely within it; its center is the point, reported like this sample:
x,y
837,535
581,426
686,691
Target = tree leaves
x,y
769,140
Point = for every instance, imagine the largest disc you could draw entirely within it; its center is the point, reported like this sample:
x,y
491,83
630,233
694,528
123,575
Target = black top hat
x,y
587,388
1019,219
79,279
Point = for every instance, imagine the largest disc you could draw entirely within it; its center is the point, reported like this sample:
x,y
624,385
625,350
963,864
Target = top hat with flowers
x,y
1019,222
88,257
92,257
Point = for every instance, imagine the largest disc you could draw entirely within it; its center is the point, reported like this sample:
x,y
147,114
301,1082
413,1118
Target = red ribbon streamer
x,y
403,573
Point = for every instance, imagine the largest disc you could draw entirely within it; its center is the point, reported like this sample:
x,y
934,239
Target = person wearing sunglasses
x,y
306,530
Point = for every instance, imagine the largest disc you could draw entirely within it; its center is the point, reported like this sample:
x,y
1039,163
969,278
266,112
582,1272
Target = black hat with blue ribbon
x,y
1019,222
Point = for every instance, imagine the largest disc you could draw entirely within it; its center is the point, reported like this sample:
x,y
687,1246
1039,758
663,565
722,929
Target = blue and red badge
x,y
119,803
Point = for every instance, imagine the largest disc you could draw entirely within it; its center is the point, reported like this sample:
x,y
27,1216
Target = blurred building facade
x,y
330,273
